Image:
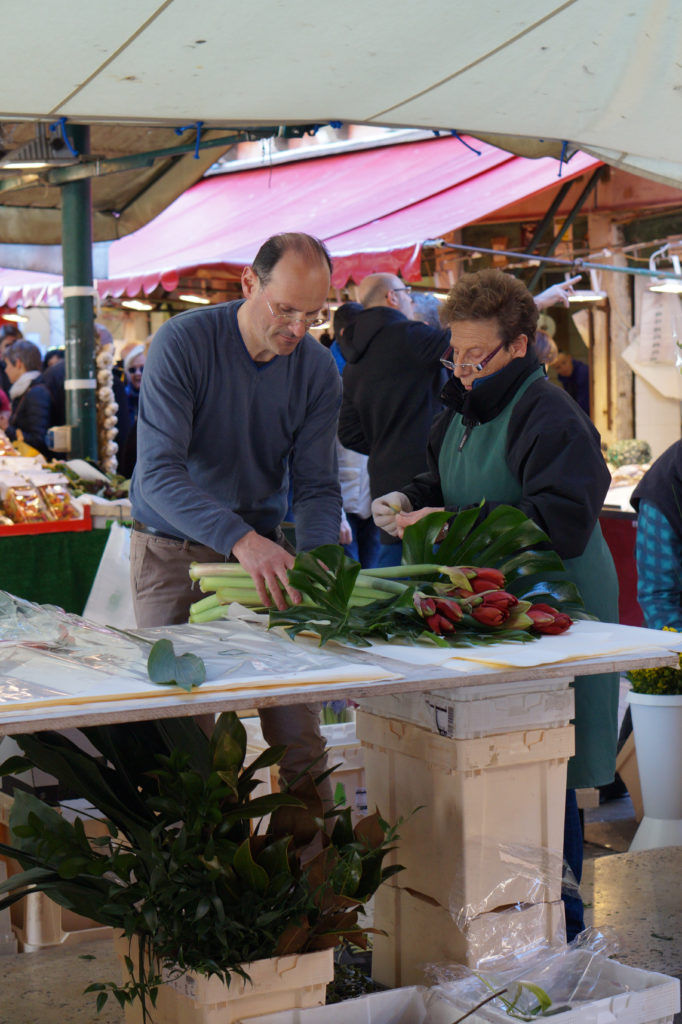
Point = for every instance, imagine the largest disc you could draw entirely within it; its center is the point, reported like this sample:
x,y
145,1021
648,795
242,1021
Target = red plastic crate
x,y
52,526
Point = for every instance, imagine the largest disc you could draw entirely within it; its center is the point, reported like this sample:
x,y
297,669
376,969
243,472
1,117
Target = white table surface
x,y
304,673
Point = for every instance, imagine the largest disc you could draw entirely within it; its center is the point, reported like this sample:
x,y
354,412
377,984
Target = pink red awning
x,y
29,288
374,209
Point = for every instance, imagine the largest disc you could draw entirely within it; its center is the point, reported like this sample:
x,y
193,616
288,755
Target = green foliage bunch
x,y
663,681
185,867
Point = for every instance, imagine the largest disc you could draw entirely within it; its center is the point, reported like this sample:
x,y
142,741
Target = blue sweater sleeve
x,y
659,569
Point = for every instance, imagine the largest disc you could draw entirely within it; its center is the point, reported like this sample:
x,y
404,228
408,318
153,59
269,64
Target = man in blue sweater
x,y
229,394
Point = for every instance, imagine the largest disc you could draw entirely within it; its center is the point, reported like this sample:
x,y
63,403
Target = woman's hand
x,y
387,508
405,519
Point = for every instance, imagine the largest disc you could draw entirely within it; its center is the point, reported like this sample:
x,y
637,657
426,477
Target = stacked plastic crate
x,y
479,775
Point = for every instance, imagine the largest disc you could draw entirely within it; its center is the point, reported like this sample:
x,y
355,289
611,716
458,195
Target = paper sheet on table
x,y
584,639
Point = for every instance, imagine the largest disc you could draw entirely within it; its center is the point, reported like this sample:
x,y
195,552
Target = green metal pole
x,y
79,320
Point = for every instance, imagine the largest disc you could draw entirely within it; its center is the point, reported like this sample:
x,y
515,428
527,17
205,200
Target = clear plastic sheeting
x,y
30,633
49,657
527,875
534,982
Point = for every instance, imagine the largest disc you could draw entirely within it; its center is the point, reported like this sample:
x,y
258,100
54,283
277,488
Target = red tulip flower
x,y
548,620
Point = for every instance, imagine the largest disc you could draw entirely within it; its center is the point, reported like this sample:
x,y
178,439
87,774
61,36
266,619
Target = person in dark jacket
x,y
510,437
53,378
391,383
574,377
31,402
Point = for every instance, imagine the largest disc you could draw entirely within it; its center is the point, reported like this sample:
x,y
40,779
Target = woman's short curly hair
x,y
493,295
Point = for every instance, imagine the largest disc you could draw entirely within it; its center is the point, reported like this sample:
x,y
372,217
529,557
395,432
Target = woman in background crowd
x,y
133,364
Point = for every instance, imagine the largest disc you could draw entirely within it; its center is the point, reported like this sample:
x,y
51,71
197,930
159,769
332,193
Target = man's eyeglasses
x,y
406,289
294,318
476,366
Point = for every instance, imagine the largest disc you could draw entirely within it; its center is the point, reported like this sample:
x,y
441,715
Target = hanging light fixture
x,y
198,300
41,152
137,305
592,294
666,284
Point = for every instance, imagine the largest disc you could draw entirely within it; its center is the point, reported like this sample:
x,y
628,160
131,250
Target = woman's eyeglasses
x,y
475,366
135,369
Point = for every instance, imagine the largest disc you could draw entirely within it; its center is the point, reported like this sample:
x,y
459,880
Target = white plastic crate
x,y
635,996
489,828
647,998
469,711
395,1006
343,749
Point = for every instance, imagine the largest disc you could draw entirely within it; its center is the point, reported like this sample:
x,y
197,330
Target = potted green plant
x,y
187,874
656,704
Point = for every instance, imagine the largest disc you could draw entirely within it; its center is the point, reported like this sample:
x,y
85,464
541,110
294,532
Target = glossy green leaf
x,y
274,859
165,667
419,539
246,868
15,765
228,743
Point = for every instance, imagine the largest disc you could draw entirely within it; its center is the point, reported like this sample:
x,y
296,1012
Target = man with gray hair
x,y
391,386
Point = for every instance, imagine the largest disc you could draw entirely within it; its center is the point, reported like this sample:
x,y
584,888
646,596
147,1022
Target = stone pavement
x,y
637,895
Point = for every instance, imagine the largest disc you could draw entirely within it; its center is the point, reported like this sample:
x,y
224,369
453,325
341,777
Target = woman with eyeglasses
x,y
133,364
509,436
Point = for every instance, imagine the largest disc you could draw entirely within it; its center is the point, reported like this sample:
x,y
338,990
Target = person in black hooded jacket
x,y
391,383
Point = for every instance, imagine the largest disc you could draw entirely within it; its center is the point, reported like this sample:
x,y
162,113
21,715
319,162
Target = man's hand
x,y
267,564
386,509
557,294
406,519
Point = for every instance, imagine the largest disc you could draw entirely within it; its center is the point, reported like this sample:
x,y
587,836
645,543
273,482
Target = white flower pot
x,y
657,724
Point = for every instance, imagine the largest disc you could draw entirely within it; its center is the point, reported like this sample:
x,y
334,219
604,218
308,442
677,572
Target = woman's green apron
x,y
480,471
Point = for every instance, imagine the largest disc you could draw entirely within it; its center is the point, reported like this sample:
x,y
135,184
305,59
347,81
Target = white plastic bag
x,y
110,602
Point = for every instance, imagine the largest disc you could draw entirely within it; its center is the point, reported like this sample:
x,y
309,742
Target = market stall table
x,y
71,674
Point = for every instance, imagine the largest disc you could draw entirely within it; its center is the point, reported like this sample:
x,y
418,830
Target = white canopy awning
x,y
578,74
